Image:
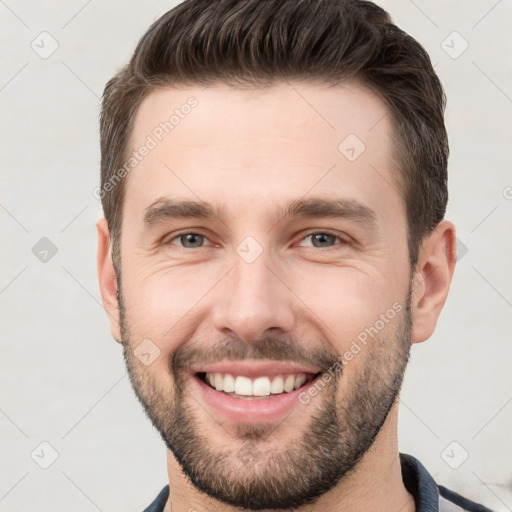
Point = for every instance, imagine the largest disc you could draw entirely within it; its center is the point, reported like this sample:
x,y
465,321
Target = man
x,y
274,185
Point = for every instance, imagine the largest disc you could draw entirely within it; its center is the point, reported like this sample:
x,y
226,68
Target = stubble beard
x,y
244,474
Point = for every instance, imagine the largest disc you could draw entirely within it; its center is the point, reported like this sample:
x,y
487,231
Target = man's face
x,y
301,262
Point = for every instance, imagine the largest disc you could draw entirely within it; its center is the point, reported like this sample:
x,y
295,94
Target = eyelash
x,y
341,240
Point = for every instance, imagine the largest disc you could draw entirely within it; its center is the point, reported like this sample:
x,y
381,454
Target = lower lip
x,y
251,411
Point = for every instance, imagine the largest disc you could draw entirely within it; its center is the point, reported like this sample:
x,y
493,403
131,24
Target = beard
x,y
331,440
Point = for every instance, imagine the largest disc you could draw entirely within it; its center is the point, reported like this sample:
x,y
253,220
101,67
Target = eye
x,y
322,239
189,240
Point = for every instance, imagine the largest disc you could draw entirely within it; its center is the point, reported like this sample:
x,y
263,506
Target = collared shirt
x,y
428,496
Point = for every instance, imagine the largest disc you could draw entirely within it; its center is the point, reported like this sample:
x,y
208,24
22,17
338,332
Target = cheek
x,y
350,303
162,305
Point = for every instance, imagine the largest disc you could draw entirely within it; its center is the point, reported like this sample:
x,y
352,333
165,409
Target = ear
x,y
107,278
432,278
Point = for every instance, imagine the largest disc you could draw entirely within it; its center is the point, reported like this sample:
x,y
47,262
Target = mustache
x,y
282,348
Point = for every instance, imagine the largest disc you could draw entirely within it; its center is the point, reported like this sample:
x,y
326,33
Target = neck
x,y
374,485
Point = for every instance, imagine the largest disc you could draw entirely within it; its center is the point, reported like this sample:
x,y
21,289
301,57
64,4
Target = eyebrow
x,y
164,209
328,208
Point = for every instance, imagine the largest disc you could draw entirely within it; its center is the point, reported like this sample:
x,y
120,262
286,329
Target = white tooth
x,y
210,377
229,383
277,385
219,382
289,382
299,381
243,386
261,386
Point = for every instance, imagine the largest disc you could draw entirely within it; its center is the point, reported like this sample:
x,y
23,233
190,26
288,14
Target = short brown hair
x,y
259,42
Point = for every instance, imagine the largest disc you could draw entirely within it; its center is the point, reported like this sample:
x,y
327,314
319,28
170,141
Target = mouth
x,y
244,393
260,388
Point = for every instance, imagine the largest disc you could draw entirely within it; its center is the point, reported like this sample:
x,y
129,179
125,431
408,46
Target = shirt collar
x,y
420,484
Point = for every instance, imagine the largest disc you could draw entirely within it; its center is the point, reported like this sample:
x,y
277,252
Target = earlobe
x,y
107,278
432,278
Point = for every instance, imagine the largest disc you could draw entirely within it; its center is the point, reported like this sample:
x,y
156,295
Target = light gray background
x,y
62,377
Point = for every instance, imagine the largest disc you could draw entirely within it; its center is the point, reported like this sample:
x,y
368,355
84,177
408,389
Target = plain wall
x,y
63,380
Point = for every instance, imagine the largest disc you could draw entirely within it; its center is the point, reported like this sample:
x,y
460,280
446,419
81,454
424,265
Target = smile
x,y
251,392
259,388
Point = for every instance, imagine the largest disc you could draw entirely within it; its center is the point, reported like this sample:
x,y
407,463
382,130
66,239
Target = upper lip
x,y
255,368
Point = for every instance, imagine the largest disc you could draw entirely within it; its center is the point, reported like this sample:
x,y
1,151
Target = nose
x,y
253,301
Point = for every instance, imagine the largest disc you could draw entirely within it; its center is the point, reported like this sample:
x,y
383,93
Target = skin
x,y
250,153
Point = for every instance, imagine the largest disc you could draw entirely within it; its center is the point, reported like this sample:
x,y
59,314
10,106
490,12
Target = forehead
x,y
266,144
314,112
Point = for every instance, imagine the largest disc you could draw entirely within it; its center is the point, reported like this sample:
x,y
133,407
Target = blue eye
x,y
190,240
321,239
